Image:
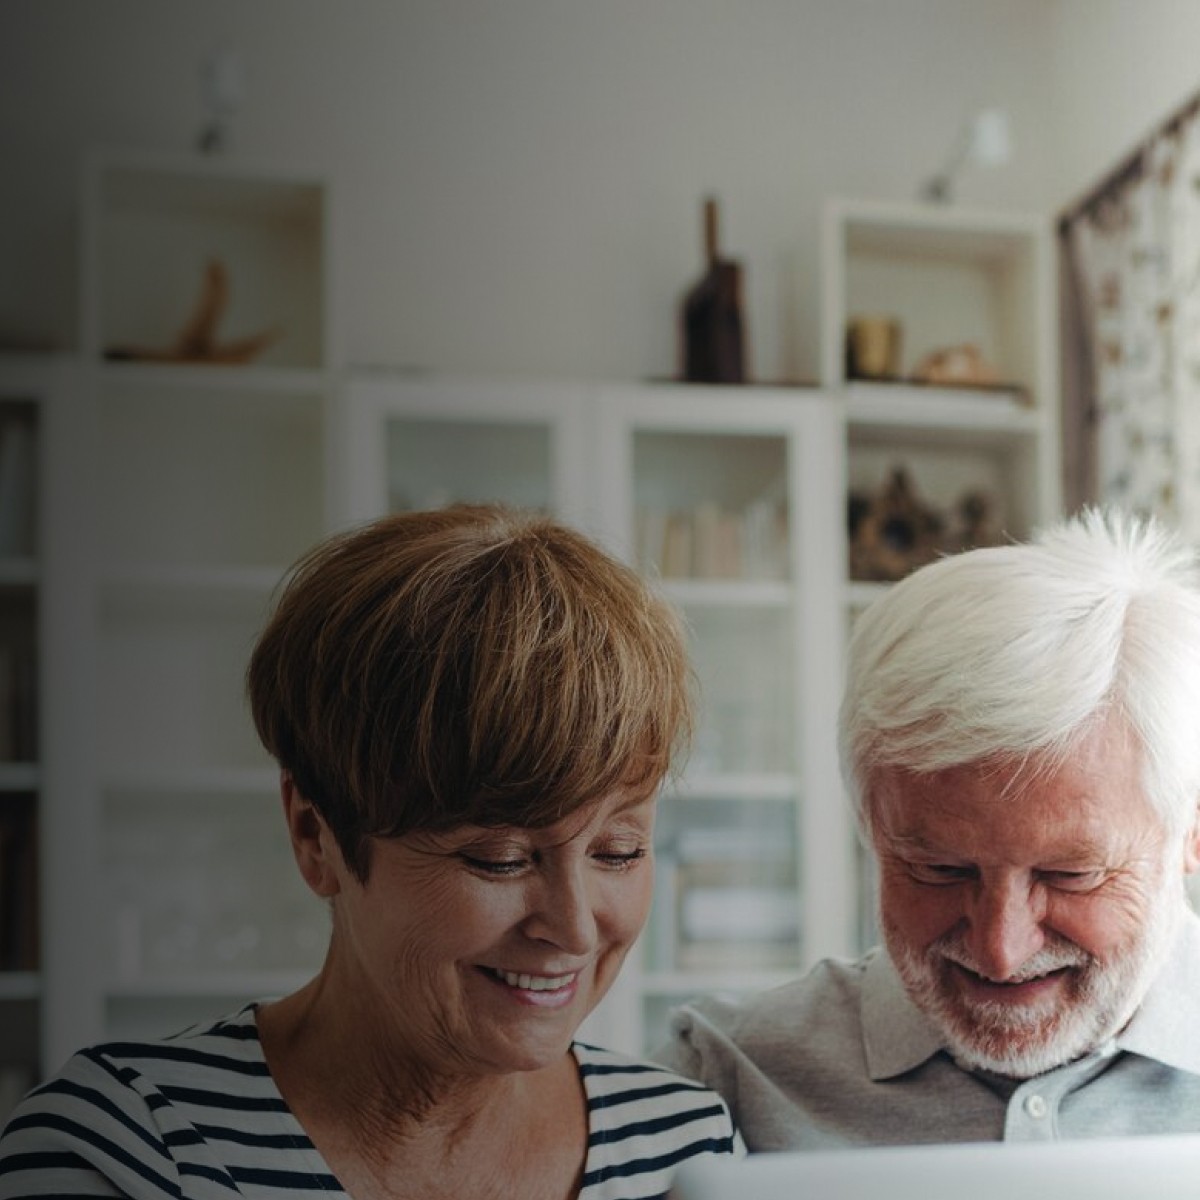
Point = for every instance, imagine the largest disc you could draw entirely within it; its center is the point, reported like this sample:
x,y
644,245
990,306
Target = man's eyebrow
x,y
914,843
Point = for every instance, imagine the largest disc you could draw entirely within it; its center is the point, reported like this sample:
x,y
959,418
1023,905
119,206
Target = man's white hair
x,y
1013,652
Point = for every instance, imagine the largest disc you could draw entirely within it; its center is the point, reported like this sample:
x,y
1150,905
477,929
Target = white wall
x,y
520,181
1119,69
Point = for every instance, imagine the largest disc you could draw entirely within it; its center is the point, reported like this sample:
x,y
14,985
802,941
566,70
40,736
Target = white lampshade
x,y
990,142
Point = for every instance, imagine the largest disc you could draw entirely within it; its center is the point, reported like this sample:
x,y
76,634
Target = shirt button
x,y
1036,1107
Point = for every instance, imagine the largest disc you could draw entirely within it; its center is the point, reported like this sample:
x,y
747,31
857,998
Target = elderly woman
x,y
472,711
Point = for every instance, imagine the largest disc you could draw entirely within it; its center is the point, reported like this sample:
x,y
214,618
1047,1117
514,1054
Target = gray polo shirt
x,y
842,1057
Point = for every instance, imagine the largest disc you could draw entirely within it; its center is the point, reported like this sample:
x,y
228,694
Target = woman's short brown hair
x,y
471,665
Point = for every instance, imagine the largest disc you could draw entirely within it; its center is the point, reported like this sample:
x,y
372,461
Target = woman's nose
x,y
562,912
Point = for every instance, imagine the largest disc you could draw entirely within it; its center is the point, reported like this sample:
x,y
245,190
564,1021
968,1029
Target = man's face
x,y
1027,912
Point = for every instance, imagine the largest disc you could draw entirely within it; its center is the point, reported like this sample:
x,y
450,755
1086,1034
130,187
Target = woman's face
x,y
481,950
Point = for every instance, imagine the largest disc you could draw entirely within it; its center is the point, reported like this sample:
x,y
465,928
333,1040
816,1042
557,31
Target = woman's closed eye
x,y
620,858
499,865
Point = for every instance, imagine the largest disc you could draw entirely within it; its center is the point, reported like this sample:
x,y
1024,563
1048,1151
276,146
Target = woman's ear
x,y
1191,845
313,844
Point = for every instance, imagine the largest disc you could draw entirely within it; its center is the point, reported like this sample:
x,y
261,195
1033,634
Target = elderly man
x,y
1021,737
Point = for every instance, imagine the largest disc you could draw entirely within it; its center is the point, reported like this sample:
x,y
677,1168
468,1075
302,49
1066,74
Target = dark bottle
x,y
713,328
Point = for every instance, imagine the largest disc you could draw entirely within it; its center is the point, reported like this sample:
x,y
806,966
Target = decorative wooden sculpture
x,y
197,341
892,532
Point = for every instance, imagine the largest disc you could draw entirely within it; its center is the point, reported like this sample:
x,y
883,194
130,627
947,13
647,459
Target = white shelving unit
x,y
30,398
192,486
949,277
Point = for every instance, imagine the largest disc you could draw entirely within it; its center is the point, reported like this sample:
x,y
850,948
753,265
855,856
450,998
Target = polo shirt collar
x,y
1166,1027
897,1036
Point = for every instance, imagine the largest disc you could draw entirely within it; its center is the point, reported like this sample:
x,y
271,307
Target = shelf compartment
x,y
729,593
943,471
19,1065
208,479
751,786
949,279
19,985
20,776
743,659
203,886
432,463
20,918
170,691
194,590
677,986
18,573
727,887
710,506
152,225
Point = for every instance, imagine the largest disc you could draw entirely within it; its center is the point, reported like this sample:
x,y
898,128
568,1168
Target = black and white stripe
x,y
198,1117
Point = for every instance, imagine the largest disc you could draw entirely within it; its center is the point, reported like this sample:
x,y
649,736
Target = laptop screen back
x,y
1162,1168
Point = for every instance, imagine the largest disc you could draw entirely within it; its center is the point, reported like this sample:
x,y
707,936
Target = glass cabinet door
x,y
729,499
411,444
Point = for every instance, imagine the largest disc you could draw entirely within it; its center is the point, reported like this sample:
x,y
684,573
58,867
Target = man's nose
x,y
1005,925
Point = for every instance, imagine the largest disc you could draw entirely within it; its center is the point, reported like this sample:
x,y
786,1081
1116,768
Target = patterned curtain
x,y
1132,331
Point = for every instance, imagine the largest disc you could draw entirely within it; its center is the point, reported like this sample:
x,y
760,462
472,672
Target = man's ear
x,y
313,844
1191,845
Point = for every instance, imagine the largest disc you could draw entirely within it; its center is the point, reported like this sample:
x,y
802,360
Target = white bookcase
x,y
950,277
192,486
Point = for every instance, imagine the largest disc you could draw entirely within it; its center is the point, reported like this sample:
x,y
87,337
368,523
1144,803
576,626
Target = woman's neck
x,y
378,1111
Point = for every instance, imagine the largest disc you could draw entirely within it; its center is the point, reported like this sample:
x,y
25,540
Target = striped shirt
x,y
198,1116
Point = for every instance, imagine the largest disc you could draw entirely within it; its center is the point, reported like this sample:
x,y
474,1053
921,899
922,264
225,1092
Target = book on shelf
x,y
18,883
17,480
765,540
724,955
709,541
676,558
15,1080
738,912
662,929
715,844
734,900
18,703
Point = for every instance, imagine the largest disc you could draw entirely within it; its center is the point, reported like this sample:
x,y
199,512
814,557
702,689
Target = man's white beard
x,y
1023,1040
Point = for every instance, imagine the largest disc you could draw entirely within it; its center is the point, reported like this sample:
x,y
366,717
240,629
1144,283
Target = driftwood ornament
x,y
197,341
962,366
